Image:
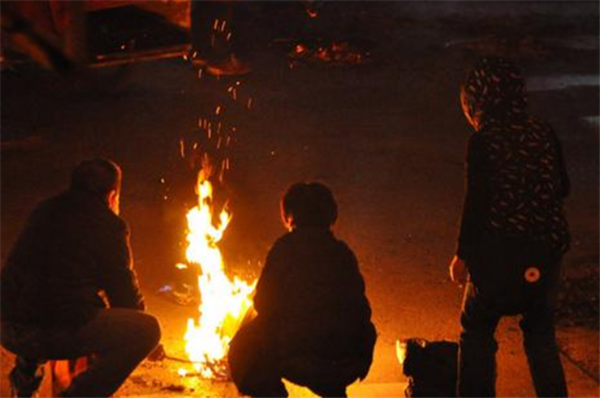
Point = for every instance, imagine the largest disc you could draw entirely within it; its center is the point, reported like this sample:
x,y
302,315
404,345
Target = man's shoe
x,y
23,385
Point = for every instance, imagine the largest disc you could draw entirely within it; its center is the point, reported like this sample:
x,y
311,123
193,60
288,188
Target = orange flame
x,y
223,302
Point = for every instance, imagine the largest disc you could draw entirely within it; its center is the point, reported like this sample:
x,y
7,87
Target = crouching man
x,y
313,325
73,247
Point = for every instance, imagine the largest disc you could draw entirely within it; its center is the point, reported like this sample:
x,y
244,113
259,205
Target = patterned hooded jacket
x,y
516,177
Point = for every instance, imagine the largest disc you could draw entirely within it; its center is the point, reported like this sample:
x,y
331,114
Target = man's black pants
x,y
118,338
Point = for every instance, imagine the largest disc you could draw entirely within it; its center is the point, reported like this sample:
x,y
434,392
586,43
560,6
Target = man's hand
x,y
158,354
458,271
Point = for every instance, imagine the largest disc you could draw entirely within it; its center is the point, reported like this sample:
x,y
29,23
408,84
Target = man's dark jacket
x,y
72,248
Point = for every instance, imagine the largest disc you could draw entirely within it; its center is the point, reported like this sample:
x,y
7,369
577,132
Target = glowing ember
x,y
336,53
223,303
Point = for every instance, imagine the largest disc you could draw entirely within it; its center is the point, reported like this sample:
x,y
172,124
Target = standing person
x,y
313,325
73,247
513,232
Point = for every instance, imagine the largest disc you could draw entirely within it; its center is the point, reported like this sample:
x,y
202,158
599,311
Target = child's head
x,y
494,88
308,204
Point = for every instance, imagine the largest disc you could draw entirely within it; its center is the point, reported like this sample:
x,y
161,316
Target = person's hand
x,y
158,354
458,271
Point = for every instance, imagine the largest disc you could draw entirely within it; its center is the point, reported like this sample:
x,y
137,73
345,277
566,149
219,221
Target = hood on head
x,y
494,88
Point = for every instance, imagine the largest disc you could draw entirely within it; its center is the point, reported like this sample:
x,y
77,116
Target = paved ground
x,y
387,136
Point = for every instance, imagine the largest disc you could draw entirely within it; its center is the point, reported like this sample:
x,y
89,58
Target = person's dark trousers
x,y
118,338
254,364
479,319
257,370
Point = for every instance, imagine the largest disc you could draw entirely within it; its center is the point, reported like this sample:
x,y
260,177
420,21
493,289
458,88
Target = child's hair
x,y
308,204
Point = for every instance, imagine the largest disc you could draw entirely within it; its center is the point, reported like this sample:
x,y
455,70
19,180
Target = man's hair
x,y
98,176
309,204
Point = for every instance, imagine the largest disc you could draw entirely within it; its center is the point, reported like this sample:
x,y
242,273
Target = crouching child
x,y
313,326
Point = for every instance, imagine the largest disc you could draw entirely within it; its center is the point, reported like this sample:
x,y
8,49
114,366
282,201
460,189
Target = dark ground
x,y
387,135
